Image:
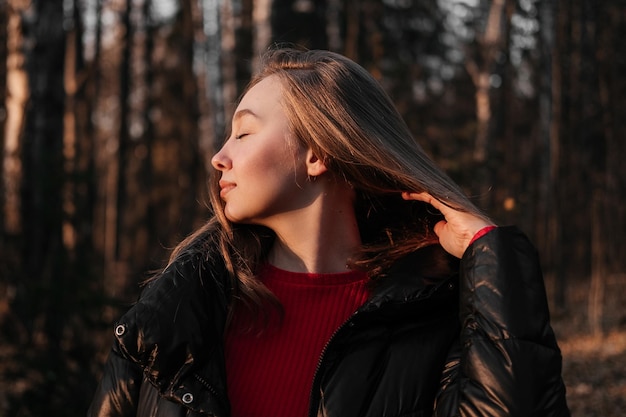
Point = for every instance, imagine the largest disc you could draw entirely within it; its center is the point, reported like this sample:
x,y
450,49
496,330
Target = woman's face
x,y
262,167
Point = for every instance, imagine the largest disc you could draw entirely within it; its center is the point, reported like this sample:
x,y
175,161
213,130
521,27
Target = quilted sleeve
x,y
507,362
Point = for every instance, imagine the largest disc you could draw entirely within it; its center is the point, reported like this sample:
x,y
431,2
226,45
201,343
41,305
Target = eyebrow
x,y
244,112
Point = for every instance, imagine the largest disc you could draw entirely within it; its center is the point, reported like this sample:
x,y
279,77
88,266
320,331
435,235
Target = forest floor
x,y
594,365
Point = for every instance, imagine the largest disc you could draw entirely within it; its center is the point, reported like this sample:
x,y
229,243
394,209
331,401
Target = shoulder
x,y
195,269
428,274
192,292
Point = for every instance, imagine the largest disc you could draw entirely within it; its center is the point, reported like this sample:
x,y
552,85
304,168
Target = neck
x,y
319,238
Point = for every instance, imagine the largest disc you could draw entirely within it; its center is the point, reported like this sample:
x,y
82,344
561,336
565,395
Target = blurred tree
x,y
212,61
607,179
42,298
548,204
244,44
4,18
300,22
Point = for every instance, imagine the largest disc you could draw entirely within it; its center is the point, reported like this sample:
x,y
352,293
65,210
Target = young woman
x,y
341,274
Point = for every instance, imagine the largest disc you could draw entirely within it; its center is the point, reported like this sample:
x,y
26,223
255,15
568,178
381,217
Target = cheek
x,y
280,162
278,176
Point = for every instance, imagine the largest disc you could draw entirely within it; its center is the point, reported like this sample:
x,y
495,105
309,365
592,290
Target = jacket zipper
x,y
208,386
316,376
350,320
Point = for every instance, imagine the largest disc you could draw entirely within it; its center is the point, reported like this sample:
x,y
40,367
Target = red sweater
x,y
271,374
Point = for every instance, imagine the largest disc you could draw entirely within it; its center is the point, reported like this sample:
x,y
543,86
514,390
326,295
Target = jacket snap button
x,y
187,398
120,329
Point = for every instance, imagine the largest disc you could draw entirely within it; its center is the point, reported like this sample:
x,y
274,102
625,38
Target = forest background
x,y
111,109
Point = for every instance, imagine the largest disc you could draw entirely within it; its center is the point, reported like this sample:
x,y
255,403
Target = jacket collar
x,y
417,276
174,332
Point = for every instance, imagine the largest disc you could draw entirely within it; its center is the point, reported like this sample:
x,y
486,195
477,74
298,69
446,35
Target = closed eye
x,y
240,136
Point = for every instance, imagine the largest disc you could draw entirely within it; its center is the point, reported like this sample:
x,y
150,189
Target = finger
x,y
422,196
427,198
439,226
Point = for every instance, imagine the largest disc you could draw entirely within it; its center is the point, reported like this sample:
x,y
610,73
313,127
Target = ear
x,y
314,166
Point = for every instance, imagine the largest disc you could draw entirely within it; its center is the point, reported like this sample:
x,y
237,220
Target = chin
x,y
231,218
234,218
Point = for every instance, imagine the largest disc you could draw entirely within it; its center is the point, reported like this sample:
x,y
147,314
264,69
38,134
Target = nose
x,y
220,161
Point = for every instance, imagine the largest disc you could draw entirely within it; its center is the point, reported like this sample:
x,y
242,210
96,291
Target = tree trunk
x,y
82,176
146,174
244,43
43,142
70,145
3,111
261,29
229,80
595,306
43,179
123,134
92,149
555,213
548,218
17,97
213,64
480,66
107,118
333,25
595,141
192,186
612,87
353,26
489,43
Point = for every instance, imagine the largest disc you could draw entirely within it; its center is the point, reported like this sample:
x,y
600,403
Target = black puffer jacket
x,y
412,350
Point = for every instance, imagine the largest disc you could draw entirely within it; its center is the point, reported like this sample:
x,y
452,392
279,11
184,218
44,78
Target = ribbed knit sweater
x,y
271,374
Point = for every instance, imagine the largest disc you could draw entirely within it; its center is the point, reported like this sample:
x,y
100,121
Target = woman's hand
x,y
457,229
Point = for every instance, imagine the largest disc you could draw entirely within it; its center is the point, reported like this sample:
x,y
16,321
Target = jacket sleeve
x,y
118,392
507,362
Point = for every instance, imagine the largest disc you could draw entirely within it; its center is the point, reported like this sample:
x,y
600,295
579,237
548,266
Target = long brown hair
x,y
335,107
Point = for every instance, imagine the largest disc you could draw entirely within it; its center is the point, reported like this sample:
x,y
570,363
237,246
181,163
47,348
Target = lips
x,y
225,187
